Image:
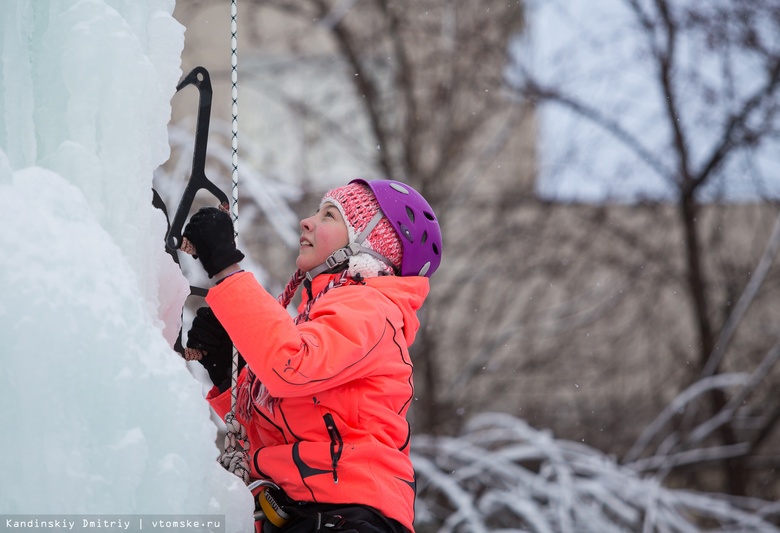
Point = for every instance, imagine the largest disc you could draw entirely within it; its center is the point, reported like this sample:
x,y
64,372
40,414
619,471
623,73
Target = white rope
x,y
234,144
234,107
235,458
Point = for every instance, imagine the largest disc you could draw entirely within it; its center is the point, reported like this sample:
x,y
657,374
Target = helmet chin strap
x,y
342,255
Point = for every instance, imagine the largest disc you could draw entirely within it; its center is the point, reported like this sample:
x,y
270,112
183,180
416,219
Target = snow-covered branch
x,y
503,475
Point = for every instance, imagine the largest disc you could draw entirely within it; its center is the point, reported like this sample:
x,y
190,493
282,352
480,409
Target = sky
x,y
594,51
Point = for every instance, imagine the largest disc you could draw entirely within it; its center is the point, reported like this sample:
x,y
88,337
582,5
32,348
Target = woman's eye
x,y
329,214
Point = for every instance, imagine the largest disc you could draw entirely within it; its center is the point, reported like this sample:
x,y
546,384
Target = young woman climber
x,y
324,396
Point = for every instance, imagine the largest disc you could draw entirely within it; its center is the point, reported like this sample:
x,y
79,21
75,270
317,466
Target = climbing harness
x,y
267,506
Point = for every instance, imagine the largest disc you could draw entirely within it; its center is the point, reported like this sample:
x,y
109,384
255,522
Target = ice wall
x,y
98,414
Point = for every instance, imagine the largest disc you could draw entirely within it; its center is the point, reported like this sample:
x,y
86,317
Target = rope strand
x,y
235,458
234,144
234,104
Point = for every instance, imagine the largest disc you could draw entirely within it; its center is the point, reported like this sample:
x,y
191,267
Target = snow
x,y
100,415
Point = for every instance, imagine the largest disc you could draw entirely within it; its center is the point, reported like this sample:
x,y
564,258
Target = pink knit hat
x,y
357,205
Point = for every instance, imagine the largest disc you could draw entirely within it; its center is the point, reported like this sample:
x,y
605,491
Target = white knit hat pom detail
x,y
367,266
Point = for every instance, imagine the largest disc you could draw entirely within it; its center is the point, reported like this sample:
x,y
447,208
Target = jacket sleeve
x,y
221,402
335,346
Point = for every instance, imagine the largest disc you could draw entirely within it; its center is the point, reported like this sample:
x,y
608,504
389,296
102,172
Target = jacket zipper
x,y
336,444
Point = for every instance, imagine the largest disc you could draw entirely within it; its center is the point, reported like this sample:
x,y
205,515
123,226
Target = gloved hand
x,y
210,231
209,337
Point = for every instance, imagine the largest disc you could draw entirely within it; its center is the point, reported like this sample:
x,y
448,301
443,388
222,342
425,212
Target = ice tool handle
x,y
199,77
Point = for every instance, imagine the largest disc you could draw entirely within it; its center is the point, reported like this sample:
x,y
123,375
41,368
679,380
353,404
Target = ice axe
x,y
199,77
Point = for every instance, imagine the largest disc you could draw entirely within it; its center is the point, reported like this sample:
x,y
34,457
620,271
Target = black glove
x,y
210,231
208,335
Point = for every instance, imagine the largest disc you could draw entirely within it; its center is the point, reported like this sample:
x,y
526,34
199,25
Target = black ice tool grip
x,y
198,77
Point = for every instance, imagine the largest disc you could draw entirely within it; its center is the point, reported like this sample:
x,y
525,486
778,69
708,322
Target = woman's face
x,y
321,234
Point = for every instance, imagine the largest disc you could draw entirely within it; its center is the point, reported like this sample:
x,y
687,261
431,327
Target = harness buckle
x,y
325,522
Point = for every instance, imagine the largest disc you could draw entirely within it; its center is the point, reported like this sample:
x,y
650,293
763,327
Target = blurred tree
x,y
713,71
428,76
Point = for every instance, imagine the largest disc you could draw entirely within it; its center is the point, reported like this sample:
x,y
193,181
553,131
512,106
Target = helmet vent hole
x,y
429,216
410,214
405,232
424,237
435,249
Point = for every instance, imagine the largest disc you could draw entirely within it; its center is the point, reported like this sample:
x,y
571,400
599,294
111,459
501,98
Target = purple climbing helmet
x,y
415,223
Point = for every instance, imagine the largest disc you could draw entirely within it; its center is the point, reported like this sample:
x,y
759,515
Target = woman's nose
x,y
306,223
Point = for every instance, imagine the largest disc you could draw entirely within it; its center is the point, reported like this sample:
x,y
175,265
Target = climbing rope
x,y
234,106
235,457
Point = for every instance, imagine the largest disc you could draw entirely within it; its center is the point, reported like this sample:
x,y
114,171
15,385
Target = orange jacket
x,y
343,383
